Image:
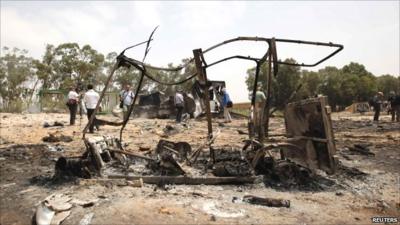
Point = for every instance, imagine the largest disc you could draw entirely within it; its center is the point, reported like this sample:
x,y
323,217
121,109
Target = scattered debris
x,y
87,218
180,149
55,124
189,180
144,148
361,149
339,193
57,138
171,130
53,210
44,214
169,165
280,174
242,132
73,167
213,218
56,148
230,163
84,204
117,182
60,217
270,202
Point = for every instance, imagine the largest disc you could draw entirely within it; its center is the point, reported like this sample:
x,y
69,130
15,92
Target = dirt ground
x,y
371,187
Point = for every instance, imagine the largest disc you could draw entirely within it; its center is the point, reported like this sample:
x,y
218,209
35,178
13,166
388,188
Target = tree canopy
x,y
343,86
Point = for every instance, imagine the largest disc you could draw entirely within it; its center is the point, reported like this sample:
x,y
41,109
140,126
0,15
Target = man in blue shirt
x,y
226,103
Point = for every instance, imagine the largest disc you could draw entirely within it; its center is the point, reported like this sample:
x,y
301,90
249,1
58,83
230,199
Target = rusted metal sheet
x,y
308,126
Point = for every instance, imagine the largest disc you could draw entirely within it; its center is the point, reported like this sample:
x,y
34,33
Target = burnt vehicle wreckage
x,y
308,142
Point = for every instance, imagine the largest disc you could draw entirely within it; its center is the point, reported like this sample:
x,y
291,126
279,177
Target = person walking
x,y
226,103
126,99
377,104
72,103
91,98
179,104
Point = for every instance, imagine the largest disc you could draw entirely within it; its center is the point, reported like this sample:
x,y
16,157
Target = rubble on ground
x,y
356,178
54,137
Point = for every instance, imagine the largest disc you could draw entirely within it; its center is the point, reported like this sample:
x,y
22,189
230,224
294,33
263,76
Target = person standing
x,y
190,105
260,103
377,104
179,104
126,98
72,103
394,101
226,103
91,98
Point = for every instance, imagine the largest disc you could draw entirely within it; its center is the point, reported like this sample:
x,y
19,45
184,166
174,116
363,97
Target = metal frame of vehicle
x,y
269,57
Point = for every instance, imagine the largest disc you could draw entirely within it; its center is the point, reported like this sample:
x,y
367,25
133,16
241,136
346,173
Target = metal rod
x,y
201,71
269,81
144,42
252,116
340,47
233,57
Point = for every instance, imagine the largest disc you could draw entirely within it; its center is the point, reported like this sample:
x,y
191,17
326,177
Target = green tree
x,y
44,68
387,83
311,83
122,75
68,64
283,85
174,77
16,72
361,81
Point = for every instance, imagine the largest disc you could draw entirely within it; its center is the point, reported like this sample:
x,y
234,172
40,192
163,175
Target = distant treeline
x,y
343,86
69,65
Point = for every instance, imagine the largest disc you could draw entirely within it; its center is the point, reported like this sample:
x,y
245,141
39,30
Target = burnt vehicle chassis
x,y
157,105
309,133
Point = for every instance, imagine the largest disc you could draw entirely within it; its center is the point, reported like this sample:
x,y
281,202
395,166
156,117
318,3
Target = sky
x,y
369,31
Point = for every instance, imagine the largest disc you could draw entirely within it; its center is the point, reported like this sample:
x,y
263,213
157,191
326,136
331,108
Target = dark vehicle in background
x,y
157,105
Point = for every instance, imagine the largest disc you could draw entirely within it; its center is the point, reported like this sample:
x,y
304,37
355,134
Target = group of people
x,y
394,105
90,100
91,97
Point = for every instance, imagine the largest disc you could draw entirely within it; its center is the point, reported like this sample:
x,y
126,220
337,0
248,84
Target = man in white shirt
x,y
91,98
179,104
126,98
72,103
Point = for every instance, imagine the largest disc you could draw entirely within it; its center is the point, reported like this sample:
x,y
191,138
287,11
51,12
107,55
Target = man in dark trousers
x,y
91,98
394,101
179,104
72,103
377,104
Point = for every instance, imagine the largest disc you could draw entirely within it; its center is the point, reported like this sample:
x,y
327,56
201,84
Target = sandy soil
x,y
26,162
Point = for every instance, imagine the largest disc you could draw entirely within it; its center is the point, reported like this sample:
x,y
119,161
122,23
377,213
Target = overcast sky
x,y
369,31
